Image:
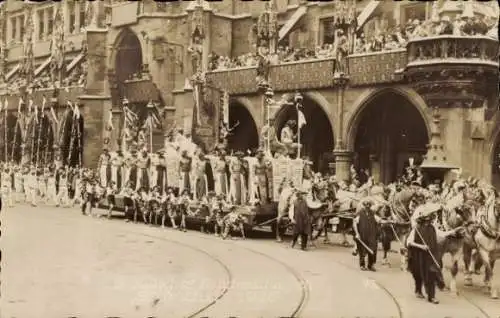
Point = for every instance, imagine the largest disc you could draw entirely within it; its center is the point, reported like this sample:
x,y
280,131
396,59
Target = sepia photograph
x,y
249,159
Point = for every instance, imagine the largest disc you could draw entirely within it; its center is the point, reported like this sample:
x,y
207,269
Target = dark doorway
x,y
245,135
316,135
389,133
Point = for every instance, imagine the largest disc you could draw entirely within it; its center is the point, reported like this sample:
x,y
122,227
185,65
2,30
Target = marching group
x,y
180,181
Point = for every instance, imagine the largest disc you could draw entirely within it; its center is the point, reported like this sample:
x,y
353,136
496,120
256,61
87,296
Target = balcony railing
x,y
450,49
376,68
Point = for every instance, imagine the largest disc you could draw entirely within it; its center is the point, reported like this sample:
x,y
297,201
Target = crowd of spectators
x,y
390,39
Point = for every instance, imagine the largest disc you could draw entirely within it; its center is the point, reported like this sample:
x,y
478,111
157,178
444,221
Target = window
x,y
41,24
13,23
328,31
21,29
412,12
50,25
82,5
72,19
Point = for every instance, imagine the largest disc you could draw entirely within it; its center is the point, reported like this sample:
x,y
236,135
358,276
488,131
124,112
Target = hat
x,y
239,154
427,210
459,185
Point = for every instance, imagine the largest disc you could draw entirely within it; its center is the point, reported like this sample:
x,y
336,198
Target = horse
x,y
485,238
346,203
401,206
320,209
451,219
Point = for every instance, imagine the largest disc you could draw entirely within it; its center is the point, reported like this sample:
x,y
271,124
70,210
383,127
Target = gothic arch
x,y
369,96
245,102
246,135
319,125
127,55
318,99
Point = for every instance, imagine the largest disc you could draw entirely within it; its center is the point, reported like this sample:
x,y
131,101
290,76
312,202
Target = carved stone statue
x,y
341,51
264,66
196,51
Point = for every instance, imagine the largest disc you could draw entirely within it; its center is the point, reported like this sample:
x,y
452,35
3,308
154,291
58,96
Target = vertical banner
x,y
280,172
296,171
172,167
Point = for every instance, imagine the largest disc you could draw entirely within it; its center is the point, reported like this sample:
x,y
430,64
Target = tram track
x,y
295,312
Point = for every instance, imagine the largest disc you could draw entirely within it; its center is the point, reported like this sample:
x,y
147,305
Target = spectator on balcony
x,y
458,25
479,26
445,26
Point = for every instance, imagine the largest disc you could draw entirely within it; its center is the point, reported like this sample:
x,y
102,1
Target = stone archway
x,y
245,135
40,140
386,131
317,135
72,139
128,59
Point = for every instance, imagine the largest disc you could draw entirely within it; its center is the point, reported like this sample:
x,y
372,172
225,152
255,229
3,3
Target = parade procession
x,y
370,141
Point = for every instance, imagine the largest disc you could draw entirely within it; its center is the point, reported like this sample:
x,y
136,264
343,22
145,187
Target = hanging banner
x,y
296,171
280,172
172,167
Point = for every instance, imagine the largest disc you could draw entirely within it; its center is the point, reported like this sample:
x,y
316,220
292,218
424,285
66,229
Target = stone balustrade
x,y
451,49
367,68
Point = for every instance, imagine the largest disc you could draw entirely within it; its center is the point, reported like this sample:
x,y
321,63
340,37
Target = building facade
x,y
377,110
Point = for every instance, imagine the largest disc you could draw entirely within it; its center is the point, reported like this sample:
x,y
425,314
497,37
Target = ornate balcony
x,y
305,74
453,71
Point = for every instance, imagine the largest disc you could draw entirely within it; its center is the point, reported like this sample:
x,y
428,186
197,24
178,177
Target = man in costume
x,y
261,180
154,170
237,185
185,165
424,256
142,180
200,182
220,175
127,166
366,232
288,137
7,187
104,164
301,219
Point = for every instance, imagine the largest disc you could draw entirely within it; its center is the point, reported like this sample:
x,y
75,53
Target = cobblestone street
x,y
58,263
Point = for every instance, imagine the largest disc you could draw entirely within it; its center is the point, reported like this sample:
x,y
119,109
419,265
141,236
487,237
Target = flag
x,y
44,101
35,109
53,112
20,104
6,104
302,119
30,106
1,106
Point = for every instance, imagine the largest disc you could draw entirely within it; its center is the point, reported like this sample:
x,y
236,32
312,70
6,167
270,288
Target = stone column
x,y
343,161
343,157
375,167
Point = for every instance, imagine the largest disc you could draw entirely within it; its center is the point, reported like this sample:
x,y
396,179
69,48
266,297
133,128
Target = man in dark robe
x,y
366,233
301,220
424,256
